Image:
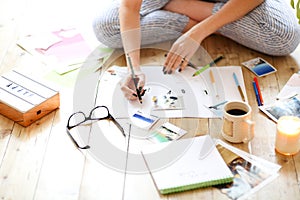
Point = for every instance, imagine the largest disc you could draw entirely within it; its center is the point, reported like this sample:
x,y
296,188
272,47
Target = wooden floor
x,y
40,162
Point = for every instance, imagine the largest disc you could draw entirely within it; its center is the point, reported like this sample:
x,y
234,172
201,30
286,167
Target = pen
x,y
213,81
256,93
217,105
238,86
134,80
207,66
259,92
191,65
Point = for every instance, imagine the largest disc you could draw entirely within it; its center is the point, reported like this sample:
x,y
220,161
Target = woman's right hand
x,y
128,87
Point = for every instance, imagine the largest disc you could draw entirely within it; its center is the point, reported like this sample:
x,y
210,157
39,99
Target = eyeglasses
x,y
97,113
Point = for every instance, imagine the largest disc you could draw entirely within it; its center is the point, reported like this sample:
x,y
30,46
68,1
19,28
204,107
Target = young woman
x,y
268,26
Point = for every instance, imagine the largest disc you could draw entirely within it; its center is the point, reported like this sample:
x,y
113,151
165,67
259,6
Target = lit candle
x,y
288,135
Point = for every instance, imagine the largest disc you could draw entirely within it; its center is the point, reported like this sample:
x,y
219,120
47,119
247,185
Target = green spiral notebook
x,y
186,164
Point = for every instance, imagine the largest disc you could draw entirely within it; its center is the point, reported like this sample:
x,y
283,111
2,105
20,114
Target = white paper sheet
x,y
198,93
291,88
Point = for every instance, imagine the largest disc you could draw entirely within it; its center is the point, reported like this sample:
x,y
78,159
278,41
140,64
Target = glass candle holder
x,y
288,135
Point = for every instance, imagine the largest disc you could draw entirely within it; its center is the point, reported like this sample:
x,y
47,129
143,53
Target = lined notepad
x,y
190,170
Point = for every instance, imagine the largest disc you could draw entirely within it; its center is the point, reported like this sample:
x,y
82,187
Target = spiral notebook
x,y
199,165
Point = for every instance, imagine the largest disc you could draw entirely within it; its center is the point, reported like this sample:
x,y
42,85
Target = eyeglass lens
x,y
99,112
76,119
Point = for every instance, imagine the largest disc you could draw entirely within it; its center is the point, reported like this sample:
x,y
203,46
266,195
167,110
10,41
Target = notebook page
x,y
189,170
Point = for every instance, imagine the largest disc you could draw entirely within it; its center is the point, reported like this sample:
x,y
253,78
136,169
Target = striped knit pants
x,y
271,28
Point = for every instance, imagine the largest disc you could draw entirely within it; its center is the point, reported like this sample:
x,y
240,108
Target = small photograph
x,y
166,132
287,107
248,176
168,101
143,120
259,67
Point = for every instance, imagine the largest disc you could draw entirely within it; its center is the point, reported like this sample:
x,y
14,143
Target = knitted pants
x,y
270,28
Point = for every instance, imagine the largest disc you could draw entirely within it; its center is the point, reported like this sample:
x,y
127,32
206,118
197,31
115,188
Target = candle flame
x,y
289,125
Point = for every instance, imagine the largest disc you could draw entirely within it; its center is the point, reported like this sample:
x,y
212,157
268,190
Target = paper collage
x,y
64,49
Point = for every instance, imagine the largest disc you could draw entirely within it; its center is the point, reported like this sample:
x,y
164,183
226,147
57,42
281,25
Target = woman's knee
x,y
270,28
278,27
107,27
284,44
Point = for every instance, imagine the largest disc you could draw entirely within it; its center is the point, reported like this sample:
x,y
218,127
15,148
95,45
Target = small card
x,y
166,132
282,107
144,121
167,102
259,67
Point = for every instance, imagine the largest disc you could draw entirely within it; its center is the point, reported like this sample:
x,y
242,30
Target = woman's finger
x,y
176,64
184,63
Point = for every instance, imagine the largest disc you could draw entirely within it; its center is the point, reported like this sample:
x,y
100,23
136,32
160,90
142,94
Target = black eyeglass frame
x,y
89,118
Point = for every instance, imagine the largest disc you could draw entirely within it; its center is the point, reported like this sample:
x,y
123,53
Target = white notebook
x,y
199,165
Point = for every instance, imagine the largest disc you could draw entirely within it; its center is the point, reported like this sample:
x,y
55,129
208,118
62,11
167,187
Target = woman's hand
x,y
128,86
181,52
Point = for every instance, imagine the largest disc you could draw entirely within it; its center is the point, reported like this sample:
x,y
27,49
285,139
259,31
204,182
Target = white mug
x,y
237,124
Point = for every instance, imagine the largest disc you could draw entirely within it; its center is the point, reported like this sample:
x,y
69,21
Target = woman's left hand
x,y
181,52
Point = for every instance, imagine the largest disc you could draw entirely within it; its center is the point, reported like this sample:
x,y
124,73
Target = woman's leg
x,y
271,28
156,25
195,9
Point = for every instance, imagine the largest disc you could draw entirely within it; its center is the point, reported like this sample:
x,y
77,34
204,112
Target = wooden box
x,y
25,100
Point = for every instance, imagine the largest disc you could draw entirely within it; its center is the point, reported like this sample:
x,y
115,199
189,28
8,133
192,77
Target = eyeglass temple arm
x,y
75,143
118,125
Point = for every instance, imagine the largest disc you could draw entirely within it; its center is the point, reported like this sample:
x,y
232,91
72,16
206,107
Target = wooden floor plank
x,y
6,128
63,163
61,172
9,25
100,181
23,159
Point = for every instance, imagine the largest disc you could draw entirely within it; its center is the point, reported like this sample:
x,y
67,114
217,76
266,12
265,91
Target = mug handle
x,y
250,130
